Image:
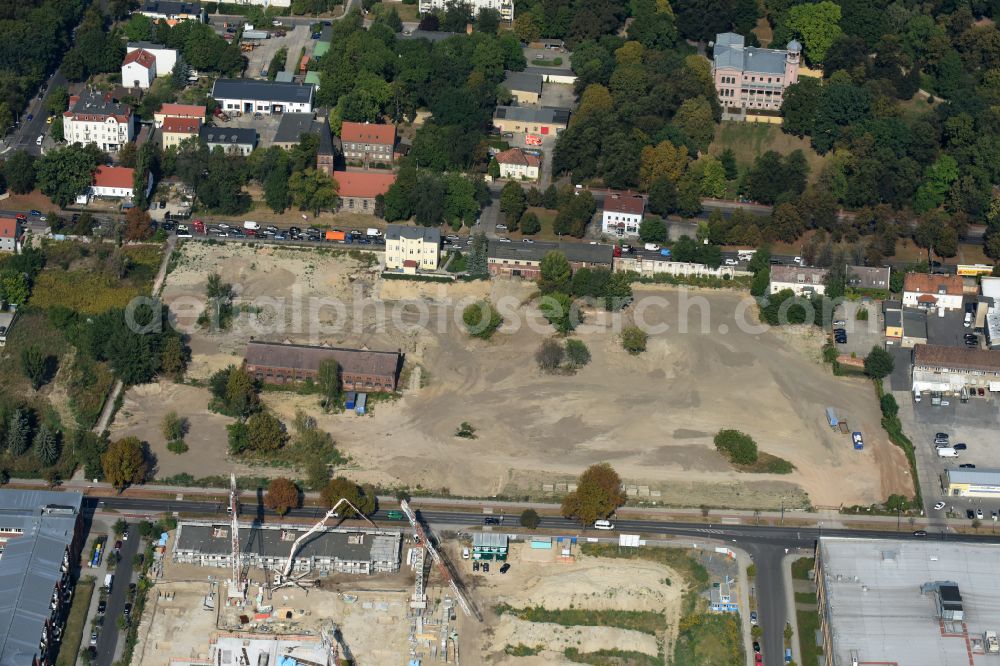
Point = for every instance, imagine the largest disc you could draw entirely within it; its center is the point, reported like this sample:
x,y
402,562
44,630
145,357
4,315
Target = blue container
x,y
349,400
665,252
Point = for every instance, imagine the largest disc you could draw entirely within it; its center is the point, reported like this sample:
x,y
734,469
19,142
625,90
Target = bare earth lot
x,y
652,416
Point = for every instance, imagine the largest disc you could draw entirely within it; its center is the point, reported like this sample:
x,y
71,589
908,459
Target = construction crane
x,y
423,539
282,579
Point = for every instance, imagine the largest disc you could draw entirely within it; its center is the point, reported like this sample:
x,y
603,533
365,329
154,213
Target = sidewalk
x,y
786,570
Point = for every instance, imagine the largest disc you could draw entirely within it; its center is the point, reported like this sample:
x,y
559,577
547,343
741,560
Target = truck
x,y
109,580
250,224
947,452
256,34
831,417
373,232
337,236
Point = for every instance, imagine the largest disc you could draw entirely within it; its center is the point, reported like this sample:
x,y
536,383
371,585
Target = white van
x,y
968,319
252,226
947,452
652,247
603,525
373,233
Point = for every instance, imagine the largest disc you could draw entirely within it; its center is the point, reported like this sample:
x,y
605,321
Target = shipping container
x,y
349,400
359,406
831,416
335,236
304,64
256,34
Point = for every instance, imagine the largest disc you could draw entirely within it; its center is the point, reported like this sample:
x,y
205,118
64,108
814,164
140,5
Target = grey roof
x,y
284,77
730,53
307,357
228,136
489,540
575,252
915,323
263,91
882,599
547,115
523,82
293,125
267,541
868,277
149,45
549,71
30,565
97,103
797,275
326,34
990,477
427,234
325,138
170,7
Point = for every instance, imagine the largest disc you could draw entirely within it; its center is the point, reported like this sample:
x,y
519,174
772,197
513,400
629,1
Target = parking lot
x,y
974,423
266,125
295,39
862,334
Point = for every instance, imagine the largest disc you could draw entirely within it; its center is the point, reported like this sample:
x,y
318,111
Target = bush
x,y
177,446
481,319
634,340
890,408
550,356
174,427
740,447
577,354
466,431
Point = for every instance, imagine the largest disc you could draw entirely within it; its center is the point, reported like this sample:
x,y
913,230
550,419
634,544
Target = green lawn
x,y
76,623
802,567
647,622
808,625
709,640
750,140
408,13
546,218
805,598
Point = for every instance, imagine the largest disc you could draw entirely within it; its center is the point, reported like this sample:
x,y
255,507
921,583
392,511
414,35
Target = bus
x,y
394,515
974,270
98,553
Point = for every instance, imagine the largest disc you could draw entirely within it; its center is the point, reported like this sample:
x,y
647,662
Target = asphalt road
x,y
107,640
765,544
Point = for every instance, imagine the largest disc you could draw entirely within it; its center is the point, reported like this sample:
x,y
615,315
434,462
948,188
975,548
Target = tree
x,y
555,273
662,161
494,168
264,433
65,172
481,319
890,408
878,363
138,225
174,357
530,224
557,308
328,380
313,190
36,365
653,230
728,160
317,473
46,445
662,196
550,356
18,432
19,170
513,203
818,26
530,519
478,260
634,340
124,463
598,493
694,117
740,447
241,393
802,101
577,354
281,496
339,488
173,426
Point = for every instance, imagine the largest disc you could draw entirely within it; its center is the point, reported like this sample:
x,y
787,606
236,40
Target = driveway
x,y
862,334
107,641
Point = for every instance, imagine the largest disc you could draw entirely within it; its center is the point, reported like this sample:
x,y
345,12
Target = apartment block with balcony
x,y
94,117
749,79
505,7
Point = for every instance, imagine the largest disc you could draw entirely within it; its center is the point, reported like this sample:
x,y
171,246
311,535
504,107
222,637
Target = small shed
x,y
359,403
349,399
489,546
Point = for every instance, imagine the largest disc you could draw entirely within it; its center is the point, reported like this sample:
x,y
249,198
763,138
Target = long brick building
x,y
360,370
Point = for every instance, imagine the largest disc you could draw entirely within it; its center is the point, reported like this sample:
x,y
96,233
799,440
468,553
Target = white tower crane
x,y
236,586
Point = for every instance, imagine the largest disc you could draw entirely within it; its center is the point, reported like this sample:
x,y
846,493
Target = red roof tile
x,y
181,125
383,135
8,227
624,202
519,157
363,184
144,58
113,177
922,283
182,110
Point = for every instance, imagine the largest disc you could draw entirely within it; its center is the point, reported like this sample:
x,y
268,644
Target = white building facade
x,y
505,7
268,97
138,69
801,280
622,214
166,58
93,117
412,247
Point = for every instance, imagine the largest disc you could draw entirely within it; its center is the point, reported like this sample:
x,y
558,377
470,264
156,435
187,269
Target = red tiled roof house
x,y
358,189
366,143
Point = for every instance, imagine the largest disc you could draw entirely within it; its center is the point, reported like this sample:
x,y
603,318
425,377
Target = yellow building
x,y
409,249
176,130
972,482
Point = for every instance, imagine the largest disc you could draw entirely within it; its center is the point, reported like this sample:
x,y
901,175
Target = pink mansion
x,y
749,79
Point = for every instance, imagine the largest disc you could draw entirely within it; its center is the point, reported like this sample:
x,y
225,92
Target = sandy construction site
x,y
652,416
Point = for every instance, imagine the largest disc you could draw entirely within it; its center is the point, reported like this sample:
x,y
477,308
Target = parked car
x,y
961,446
981,392
273,229
920,533
756,647
939,506
941,435
93,637
505,568
753,617
504,239
967,466
979,514
840,322
527,240
102,606
970,514
118,545
35,213
475,565
501,227
465,553
486,567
